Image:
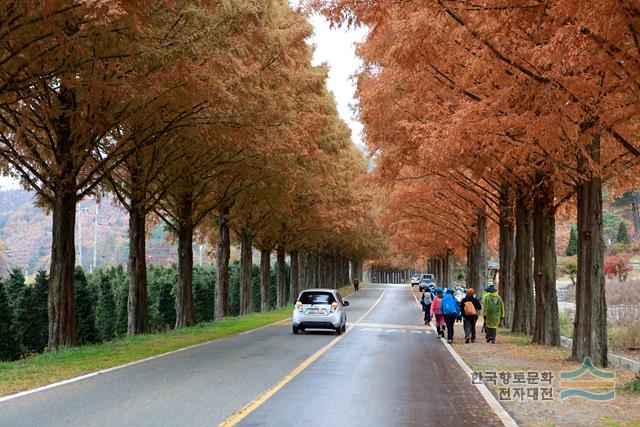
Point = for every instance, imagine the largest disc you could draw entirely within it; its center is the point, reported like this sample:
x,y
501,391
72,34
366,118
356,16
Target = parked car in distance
x,y
417,278
320,309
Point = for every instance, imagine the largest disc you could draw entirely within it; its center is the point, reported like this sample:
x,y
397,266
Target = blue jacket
x,y
449,304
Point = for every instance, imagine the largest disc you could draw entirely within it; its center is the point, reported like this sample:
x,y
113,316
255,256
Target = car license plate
x,y
315,311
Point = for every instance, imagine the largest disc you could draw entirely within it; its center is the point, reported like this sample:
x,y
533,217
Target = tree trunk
x,y
470,268
246,264
265,280
635,212
282,285
507,255
478,254
314,269
590,325
451,265
481,252
223,251
294,282
547,325
523,284
137,311
185,313
62,324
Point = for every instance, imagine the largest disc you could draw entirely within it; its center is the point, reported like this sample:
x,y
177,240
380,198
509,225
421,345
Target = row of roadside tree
x,y
205,116
490,119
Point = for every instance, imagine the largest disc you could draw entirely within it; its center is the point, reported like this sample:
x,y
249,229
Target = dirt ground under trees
x,y
515,353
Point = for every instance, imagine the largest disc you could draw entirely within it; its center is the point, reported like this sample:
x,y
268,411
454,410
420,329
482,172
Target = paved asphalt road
x,y
388,370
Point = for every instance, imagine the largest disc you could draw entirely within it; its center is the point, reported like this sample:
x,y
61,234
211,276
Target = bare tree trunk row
x,y
223,253
507,254
590,324
523,307
246,265
547,326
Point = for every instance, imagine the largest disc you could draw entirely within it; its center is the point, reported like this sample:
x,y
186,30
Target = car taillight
x,y
334,306
299,306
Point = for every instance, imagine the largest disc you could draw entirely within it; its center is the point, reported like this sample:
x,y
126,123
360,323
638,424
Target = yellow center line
x,y
252,406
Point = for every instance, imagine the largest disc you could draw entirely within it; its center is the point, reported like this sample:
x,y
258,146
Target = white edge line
x,y
135,362
498,409
491,400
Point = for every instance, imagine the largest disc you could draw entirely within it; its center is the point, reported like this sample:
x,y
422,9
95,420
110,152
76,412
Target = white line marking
x,y
491,400
498,409
135,362
265,396
126,365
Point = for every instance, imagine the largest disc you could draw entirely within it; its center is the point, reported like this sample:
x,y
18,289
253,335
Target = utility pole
x,y
95,238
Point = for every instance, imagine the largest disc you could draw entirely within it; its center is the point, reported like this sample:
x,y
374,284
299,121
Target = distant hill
x,y
25,235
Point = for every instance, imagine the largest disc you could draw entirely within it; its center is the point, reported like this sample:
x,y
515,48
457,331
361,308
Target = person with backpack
x,y
451,312
493,312
436,312
470,308
425,301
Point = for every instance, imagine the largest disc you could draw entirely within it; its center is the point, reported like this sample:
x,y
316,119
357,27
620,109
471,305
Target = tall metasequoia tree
x,y
507,254
547,327
524,307
529,106
59,109
590,323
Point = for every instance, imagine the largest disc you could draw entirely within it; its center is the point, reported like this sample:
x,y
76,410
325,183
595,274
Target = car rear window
x,y
317,298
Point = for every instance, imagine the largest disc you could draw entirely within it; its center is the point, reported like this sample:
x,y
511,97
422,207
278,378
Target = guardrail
x,y
614,359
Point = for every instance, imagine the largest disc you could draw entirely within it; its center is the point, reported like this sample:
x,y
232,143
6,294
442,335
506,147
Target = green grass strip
x,y
47,368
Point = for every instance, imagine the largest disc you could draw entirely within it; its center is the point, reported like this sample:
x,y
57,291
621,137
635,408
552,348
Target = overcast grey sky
x,y
336,48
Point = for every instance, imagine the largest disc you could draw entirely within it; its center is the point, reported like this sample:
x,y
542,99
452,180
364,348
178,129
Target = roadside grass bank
x,y
47,368
515,353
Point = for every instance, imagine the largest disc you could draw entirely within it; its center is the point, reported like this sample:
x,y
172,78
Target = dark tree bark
x,y
590,325
265,280
282,277
547,326
223,251
635,212
451,265
470,269
246,263
313,270
294,283
507,255
523,307
185,313
137,310
477,275
62,325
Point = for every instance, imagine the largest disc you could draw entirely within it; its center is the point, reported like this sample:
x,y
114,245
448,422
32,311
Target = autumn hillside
x,y
25,235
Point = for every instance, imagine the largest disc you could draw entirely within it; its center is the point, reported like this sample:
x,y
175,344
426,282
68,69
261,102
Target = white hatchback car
x,y
320,309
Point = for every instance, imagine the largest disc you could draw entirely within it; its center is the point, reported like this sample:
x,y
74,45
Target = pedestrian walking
x,y
451,311
470,308
493,312
425,302
436,312
356,284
